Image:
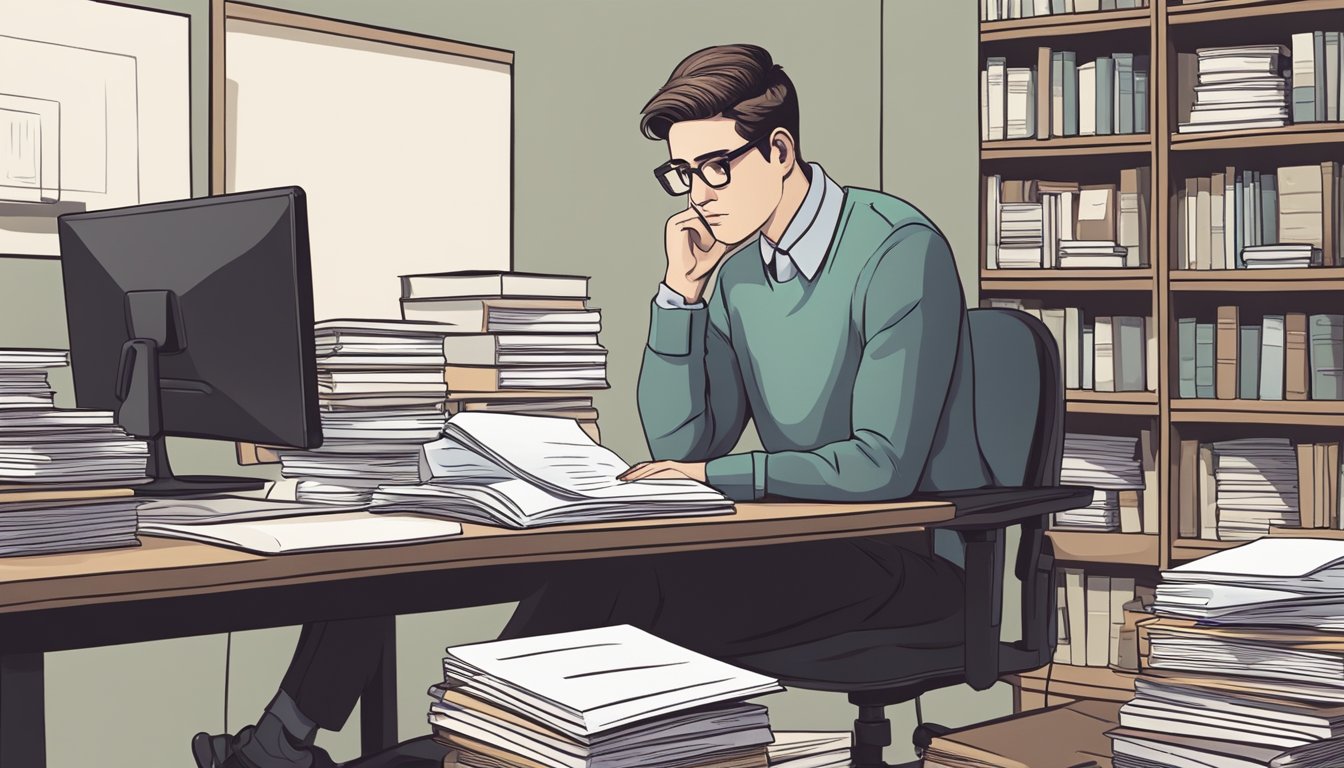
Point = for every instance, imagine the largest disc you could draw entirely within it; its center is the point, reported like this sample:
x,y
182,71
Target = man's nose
x,y
702,193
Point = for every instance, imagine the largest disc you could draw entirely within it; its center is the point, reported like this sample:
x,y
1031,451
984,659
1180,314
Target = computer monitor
x,y
195,318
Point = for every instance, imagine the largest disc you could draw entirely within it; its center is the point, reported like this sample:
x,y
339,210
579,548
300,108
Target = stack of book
x,y
999,10
1109,354
23,380
1109,464
1038,224
1288,217
1255,487
522,471
1317,57
1245,666
1060,97
1233,88
615,697
1091,613
811,749
381,393
64,481
1290,356
517,342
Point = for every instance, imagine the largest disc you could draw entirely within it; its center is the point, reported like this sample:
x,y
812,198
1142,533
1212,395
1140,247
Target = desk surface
x,y
163,568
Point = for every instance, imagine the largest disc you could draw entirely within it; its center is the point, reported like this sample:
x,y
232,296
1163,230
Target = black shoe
x,y
221,751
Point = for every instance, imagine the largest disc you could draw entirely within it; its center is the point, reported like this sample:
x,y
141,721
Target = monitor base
x,y
198,485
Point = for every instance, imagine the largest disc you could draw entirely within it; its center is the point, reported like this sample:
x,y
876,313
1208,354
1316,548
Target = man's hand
x,y
692,253
665,470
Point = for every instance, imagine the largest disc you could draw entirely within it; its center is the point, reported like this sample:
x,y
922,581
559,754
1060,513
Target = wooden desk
x,y
169,588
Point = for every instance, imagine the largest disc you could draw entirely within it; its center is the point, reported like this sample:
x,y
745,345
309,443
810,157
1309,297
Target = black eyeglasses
x,y
675,176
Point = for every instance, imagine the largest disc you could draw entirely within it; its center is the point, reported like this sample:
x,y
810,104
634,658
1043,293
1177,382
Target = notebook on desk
x,y
521,471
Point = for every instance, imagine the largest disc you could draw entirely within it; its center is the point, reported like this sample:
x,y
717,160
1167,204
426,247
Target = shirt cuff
x,y
739,476
670,299
673,332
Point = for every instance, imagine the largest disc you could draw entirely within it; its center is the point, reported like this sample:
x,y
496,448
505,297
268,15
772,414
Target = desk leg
x,y
23,728
378,705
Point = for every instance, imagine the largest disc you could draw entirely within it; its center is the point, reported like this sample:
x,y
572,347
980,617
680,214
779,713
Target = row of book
x,y
1107,354
1237,490
65,474
999,10
1292,356
1057,96
1242,664
1091,613
532,703
1035,224
1123,473
1289,217
467,341
1317,58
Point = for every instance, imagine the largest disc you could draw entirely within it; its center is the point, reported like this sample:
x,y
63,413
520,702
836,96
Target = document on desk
x,y
311,533
231,508
521,471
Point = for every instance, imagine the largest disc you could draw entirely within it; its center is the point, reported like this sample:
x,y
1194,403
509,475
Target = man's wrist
x,y
691,291
667,298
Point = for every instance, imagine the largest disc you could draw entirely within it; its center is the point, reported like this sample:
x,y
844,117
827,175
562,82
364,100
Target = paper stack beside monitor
x,y
612,697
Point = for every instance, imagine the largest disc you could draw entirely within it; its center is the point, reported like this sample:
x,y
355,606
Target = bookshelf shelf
x,y
1066,279
1311,413
1109,547
1111,403
1191,549
1090,146
1233,10
1064,24
1258,280
1287,136
1308,533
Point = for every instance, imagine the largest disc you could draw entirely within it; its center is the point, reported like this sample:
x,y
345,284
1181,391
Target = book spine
x,y
1140,94
1148,459
1208,494
997,68
1304,78
1204,360
1249,359
1104,362
1073,343
1130,355
1271,358
1070,94
1063,637
1075,586
1318,71
1185,350
1297,369
1308,514
1327,357
1057,93
1150,366
1105,96
1225,349
1098,620
1124,92
1187,506
1122,591
1089,357
1230,221
1329,204
1045,89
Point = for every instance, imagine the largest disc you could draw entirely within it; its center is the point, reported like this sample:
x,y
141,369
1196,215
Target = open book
x,y
521,471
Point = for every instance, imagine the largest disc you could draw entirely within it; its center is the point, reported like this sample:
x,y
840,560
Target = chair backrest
x,y
1019,416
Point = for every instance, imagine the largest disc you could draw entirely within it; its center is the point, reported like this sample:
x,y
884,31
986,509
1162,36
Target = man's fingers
x,y
667,473
635,472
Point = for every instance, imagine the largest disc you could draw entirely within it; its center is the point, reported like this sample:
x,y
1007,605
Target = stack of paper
x,y
23,382
1092,254
1281,256
37,521
1107,463
68,447
1245,666
1072,736
1256,485
811,749
613,697
381,391
521,471
1240,87
1021,236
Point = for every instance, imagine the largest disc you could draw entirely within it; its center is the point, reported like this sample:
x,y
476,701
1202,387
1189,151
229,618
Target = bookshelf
x,y
1161,289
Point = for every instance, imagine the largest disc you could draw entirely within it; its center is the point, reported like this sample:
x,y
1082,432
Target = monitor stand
x,y
141,415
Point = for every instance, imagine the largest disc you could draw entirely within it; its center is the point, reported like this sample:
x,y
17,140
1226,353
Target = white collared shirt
x,y
802,249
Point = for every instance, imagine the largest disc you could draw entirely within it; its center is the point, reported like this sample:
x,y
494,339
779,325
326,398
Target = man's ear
x,y
782,148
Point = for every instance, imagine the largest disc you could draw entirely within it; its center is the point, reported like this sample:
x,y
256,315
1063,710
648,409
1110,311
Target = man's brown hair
x,y
741,82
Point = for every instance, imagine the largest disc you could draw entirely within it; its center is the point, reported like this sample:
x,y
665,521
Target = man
x,y
837,325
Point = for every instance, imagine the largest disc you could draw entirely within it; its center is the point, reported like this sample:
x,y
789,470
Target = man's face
x,y
755,185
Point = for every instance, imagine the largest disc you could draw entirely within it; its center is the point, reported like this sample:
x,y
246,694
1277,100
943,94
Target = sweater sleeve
x,y
911,309
692,402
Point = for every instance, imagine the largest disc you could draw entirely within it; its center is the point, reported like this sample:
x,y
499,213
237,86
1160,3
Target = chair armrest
x,y
991,508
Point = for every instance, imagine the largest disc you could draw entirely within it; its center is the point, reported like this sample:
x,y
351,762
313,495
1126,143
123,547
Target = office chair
x,y
1019,411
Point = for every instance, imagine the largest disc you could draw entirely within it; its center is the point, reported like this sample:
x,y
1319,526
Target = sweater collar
x,y
808,236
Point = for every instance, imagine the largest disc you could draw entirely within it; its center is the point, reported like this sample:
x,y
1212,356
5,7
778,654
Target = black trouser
x,y
723,603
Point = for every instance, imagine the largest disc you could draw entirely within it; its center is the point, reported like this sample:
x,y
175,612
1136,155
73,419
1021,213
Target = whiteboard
x,y
405,155
96,106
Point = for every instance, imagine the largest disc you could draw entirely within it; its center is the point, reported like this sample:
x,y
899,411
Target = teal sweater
x,y
859,381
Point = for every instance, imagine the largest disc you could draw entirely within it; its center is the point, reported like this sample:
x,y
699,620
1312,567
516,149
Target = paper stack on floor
x,y
811,749
1259,679
521,471
23,380
1071,736
613,697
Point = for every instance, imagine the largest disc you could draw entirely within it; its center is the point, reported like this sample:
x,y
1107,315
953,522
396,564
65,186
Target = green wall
x,y
585,203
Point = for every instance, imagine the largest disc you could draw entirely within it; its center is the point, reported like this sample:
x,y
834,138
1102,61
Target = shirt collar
x,y
808,236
